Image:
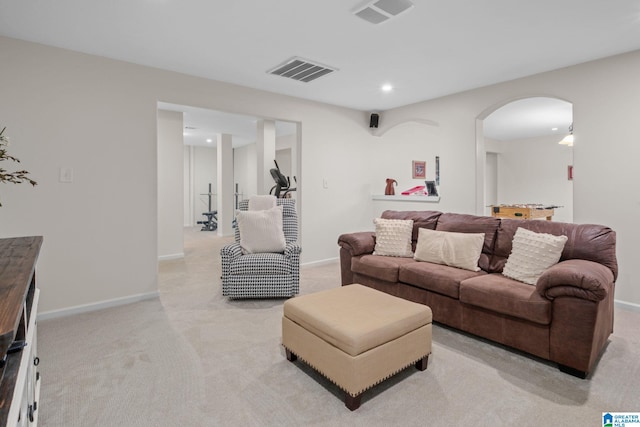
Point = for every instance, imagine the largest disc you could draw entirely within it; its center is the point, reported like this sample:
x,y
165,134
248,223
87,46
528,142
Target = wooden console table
x,y
20,379
521,212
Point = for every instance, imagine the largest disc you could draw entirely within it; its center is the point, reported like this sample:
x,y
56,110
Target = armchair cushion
x,y
261,264
261,231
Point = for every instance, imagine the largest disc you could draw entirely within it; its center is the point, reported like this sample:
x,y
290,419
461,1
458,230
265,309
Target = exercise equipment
x,y
282,183
211,223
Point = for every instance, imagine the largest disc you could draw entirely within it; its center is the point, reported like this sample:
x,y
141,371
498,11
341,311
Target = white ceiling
x,y
201,125
528,118
434,49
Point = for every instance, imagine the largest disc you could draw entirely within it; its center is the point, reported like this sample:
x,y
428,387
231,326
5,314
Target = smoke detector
x,y
301,69
382,10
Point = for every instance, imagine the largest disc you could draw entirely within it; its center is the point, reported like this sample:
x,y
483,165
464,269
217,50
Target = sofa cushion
x,y
590,242
381,267
393,237
532,253
463,223
421,219
498,293
460,250
438,278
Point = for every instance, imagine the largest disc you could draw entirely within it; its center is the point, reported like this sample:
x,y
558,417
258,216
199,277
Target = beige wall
x,y
170,185
245,169
534,170
98,116
606,101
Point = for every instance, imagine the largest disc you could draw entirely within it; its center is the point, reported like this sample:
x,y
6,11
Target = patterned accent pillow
x,y
531,254
261,231
393,237
461,250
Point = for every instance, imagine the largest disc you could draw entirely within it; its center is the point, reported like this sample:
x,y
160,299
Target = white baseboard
x,y
627,305
320,263
172,256
97,306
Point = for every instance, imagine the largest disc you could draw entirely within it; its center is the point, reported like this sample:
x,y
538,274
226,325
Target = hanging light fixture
x,y
568,140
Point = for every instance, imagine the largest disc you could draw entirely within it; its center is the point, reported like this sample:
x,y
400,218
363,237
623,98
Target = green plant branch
x,y
17,177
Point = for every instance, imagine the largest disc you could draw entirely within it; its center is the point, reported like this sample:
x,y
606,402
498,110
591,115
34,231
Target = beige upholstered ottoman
x,y
356,336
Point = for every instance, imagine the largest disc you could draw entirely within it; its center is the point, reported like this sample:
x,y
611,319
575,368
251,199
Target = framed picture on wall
x,y
419,169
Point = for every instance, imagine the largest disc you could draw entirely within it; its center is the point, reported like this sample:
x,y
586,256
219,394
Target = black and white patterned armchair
x,y
264,275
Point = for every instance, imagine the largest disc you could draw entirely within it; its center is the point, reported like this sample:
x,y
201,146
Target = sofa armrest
x,y
576,278
362,242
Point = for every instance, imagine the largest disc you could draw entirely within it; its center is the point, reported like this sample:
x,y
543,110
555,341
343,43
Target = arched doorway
x,y
518,156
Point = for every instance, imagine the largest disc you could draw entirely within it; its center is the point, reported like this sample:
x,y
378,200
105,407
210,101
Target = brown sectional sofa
x,y
566,317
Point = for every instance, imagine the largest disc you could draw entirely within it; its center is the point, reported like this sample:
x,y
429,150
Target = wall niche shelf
x,y
401,198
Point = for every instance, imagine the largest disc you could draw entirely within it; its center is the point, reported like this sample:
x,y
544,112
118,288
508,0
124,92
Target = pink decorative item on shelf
x,y
418,190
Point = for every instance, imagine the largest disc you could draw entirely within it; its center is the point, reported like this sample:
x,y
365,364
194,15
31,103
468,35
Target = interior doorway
x,y
194,188
520,159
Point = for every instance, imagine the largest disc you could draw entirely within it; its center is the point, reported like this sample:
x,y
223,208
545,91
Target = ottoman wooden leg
x,y
421,364
352,402
290,356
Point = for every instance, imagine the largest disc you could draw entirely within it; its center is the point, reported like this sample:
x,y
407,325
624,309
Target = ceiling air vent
x,y
301,69
382,10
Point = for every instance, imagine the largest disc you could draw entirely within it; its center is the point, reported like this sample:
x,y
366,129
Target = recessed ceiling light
x,y
554,129
387,88
209,140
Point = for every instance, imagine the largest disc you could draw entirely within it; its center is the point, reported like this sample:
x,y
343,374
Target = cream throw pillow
x,y
531,254
460,250
393,237
262,202
261,231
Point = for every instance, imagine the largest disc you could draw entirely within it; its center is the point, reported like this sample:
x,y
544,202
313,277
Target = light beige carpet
x,y
194,358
